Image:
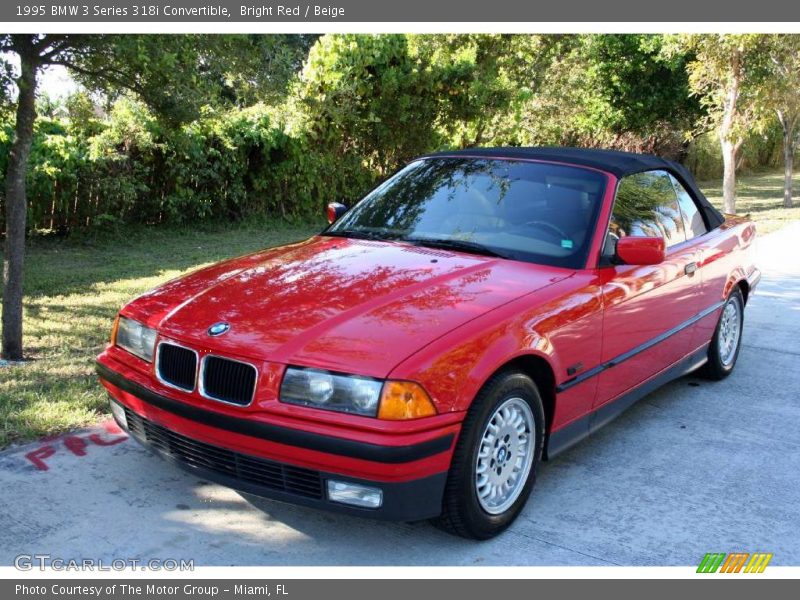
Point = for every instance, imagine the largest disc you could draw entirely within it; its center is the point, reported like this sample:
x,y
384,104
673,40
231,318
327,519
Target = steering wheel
x,y
553,229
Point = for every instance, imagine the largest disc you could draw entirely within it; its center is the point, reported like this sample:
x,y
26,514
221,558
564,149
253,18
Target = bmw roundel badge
x,y
218,328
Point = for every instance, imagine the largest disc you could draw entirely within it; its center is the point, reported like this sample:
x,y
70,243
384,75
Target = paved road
x,y
693,468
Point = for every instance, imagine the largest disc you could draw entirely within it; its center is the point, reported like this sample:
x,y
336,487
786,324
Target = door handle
x,y
690,268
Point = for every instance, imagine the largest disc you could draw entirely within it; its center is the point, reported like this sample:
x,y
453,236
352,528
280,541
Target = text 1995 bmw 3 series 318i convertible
x,y
478,312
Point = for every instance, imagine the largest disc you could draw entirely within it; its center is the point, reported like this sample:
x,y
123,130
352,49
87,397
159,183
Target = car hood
x,y
340,304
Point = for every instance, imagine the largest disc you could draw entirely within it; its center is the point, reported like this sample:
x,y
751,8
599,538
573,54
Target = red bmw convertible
x,y
477,313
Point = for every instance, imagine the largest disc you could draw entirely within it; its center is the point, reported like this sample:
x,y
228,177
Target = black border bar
x,y
637,350
410,11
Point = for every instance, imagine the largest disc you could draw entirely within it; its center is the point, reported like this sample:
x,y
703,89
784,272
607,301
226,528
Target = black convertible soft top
x,y
613,161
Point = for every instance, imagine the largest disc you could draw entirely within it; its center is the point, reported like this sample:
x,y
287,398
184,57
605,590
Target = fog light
x,y
354,494
119,414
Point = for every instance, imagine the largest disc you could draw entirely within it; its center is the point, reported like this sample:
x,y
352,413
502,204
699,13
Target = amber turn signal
x,y
402,400
114,328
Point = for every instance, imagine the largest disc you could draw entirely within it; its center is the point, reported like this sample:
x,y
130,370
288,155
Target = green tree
x,y
617,91
631,84
728,74
388,98
496,72
367,95
783,96
175,75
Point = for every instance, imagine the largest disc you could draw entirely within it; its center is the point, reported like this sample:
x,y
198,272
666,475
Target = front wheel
x,y
727,341
495,460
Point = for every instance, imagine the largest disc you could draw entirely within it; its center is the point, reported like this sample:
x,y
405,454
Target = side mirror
x,y
635,250
335,210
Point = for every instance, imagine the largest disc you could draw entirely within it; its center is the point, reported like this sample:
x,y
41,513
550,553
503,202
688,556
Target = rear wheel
x,y
494,464
727,341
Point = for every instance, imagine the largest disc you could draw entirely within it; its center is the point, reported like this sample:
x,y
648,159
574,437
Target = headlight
x,y
391,400
320,389
136,338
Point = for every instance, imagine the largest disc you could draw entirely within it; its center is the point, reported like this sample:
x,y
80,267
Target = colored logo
x,y
737,562
218,329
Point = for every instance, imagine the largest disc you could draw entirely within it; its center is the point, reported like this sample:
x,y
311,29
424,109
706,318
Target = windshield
x,y
535,212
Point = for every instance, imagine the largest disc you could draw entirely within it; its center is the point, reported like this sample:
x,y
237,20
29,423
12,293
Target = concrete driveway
x,y
695,467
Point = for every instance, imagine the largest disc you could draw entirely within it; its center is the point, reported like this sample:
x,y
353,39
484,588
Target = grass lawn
x,y
760,195
75,286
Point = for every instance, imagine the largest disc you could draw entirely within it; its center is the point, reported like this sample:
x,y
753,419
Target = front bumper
x,y
409,500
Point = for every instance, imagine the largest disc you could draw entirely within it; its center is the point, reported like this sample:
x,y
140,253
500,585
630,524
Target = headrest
x,y
567,198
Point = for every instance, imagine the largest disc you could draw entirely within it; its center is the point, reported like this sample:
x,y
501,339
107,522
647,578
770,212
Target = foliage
x,y
497,73
227,127
726,68
782,97
631,84
760,151
176,75
374,97
730,75
618,91
225,165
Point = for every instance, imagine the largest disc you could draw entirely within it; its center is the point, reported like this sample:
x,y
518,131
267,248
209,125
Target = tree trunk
x,y
730,145
788,168
788,157
729,149
16,200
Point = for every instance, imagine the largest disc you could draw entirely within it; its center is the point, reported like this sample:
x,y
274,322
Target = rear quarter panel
x,y
726,258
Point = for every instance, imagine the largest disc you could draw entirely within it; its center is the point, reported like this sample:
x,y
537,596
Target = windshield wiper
x,y
357,234
450,244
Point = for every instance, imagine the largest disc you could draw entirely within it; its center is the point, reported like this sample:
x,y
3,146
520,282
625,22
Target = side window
x,y
647,205
692,219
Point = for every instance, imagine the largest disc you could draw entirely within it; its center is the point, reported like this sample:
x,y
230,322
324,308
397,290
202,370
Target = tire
x,y
722,356
507,394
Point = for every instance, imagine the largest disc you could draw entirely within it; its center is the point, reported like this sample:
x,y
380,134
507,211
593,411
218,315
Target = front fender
x,y
560,324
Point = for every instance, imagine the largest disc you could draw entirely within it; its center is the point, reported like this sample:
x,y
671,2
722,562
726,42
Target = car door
x,y
712,271
647,309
